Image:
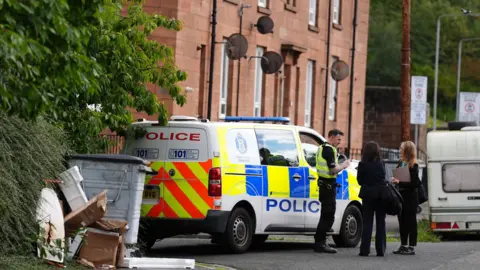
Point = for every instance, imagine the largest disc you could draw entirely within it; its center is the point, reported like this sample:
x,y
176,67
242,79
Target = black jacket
x,y
414,178
371,178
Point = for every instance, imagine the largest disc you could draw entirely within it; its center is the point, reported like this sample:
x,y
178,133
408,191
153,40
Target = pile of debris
x,y
95,231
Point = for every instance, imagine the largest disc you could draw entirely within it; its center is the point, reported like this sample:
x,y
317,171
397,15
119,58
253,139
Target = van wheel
x,y
351,228
239,232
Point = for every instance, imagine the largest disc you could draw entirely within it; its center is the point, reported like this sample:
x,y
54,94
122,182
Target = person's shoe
x,y
399,250
362,254
410,250
324,248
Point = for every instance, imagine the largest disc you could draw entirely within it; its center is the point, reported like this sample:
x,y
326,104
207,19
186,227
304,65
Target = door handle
x,y
297,177
312,178
442,198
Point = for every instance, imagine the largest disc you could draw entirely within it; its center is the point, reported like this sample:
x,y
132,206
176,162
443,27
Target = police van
x,y
240,181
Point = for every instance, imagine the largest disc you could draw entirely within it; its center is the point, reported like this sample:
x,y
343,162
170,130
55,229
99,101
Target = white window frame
x,y
336,11
312,13
308,93
223,80
257,94
332,104
262,3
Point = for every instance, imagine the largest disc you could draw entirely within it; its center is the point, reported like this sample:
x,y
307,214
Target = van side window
x,y
310,146
277,147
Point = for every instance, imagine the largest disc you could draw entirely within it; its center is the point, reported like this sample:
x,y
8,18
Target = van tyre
x,y
238,234
350,229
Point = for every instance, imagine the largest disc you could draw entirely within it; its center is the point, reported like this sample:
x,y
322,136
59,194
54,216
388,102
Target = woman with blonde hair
x,y
409,190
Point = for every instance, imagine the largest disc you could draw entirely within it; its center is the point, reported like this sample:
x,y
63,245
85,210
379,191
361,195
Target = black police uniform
x,y
327,199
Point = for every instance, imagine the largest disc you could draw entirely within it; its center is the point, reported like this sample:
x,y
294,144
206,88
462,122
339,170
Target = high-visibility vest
x,y
322,166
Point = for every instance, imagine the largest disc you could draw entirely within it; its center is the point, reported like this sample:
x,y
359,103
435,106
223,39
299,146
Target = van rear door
x,y
187,164
179,153
150,148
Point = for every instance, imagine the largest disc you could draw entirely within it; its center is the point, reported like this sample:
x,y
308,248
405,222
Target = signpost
x,y
469,107
418,109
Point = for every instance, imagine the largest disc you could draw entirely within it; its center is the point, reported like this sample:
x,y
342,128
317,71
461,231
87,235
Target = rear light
x,y
215,182
441,225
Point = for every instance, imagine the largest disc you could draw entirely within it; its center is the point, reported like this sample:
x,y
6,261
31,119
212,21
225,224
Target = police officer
x,y
327,169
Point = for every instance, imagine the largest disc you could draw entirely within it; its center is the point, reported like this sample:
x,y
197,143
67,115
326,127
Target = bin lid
x,y
118,158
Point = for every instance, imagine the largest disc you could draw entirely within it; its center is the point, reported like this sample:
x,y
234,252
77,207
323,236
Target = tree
x,y
83,65
383,67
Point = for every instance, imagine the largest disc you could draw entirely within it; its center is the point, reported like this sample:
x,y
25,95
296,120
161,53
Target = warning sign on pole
x,y
418,104
469,106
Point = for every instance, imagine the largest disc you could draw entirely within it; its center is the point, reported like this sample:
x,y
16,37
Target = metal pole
x,y
212,59
437,52
435,84
459,64
329,25
459,68
416,136
405,73
239,60
352,76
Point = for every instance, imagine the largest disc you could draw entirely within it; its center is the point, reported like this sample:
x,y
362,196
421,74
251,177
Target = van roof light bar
x,y
283,120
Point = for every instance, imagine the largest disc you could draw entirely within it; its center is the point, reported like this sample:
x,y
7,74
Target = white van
x,y
454,180
239,180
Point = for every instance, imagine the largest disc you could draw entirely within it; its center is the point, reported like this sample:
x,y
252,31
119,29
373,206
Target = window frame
x,y
461,164
258,87
337,12
224,70
332,95
309,86
262,3
265,129
315,138
313,4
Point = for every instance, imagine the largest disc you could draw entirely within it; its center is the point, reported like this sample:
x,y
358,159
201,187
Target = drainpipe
x,y
328,66
352,77
212,59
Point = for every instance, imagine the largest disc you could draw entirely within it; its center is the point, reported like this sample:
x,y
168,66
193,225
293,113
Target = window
x,y
332,104
277,147
308,93
262,3
312,14
337,6
461,177
310,144
223,80
257,102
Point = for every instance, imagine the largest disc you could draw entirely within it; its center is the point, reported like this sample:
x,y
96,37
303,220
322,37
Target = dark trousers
x,y
371,207
327,215
407,220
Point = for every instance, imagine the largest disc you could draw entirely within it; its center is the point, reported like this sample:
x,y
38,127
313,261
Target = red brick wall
x,y
382,118
290,27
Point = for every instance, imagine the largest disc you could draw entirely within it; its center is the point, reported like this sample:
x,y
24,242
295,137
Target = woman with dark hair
x,y
371,178
407,220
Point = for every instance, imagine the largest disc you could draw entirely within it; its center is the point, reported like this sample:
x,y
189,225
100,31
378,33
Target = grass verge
x,y
33,263
425,234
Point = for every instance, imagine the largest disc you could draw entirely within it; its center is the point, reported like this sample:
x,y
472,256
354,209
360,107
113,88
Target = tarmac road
x,y
299,255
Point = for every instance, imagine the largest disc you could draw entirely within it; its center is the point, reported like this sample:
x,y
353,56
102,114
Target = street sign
x,y
469,106
418,100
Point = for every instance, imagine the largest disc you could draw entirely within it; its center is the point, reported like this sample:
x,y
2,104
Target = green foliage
x,y
31,152
385,41
84,65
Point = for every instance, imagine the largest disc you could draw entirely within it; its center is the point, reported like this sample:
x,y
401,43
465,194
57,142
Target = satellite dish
x,y
339,70
271,62
265,25
237,46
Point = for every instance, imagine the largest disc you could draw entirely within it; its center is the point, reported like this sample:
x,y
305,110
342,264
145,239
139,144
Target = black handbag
x,y
391,198
422,197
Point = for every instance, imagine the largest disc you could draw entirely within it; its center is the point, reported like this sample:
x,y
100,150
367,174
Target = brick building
x,y
300,35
